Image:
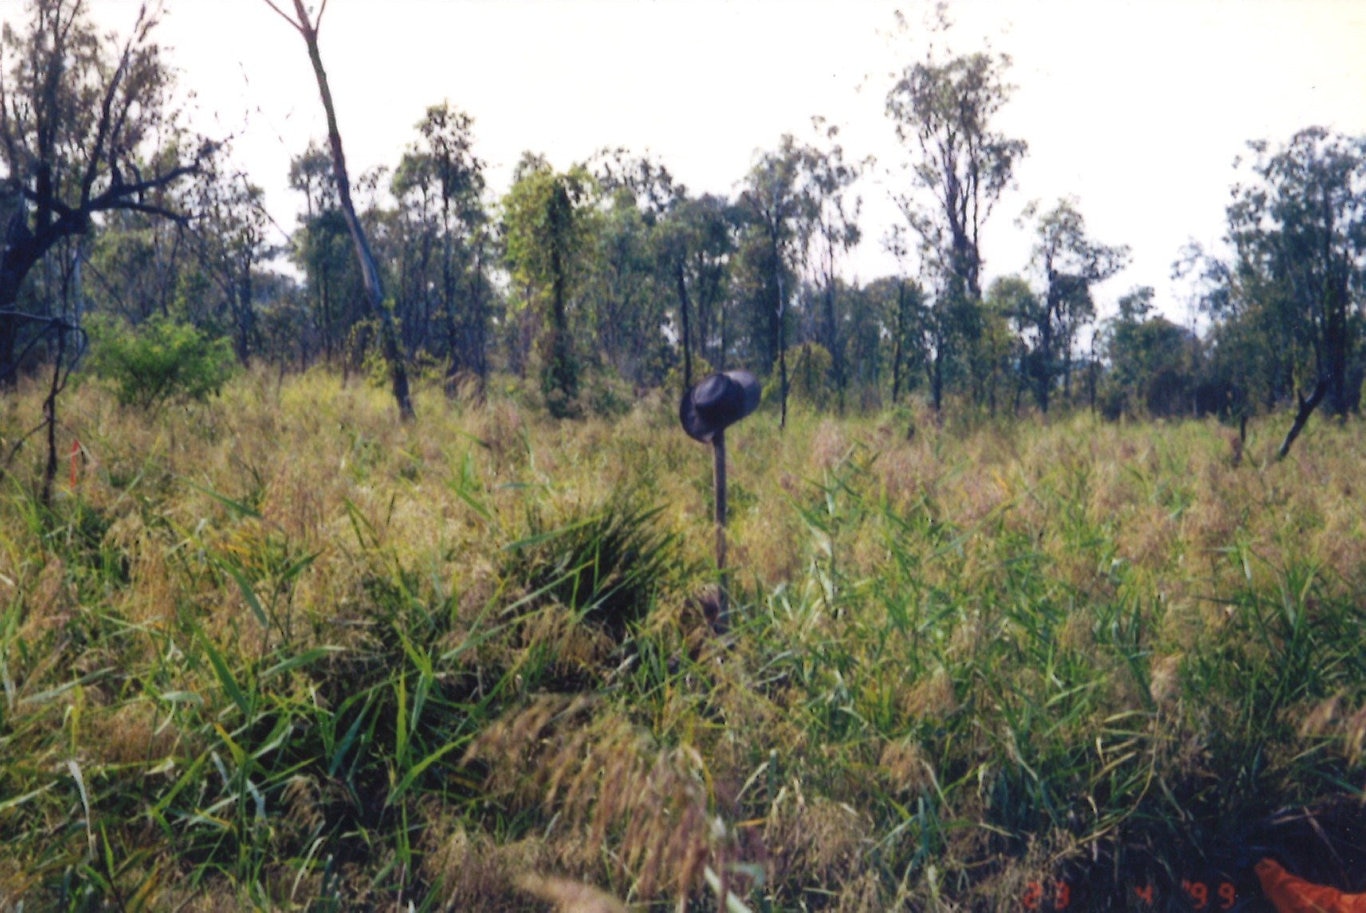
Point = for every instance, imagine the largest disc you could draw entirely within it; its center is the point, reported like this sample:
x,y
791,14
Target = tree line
x,y
610,277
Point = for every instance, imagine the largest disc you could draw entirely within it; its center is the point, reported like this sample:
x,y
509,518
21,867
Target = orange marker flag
x,y
1291,894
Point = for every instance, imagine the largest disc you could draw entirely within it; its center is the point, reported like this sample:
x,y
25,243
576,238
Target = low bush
x,y
159,361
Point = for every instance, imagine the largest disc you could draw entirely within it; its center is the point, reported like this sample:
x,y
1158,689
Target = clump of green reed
x,y
606,564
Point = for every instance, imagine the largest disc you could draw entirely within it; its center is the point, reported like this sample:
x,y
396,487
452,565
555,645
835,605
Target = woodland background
x,y
364,573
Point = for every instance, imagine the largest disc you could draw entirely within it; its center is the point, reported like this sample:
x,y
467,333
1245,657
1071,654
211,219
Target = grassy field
x,y
280,651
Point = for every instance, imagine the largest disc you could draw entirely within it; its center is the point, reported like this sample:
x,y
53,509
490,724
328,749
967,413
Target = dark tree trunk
x,y
782,351
21,252
897,351
9,335
936,370
246,316
683,318
477,333
560,372
1336,344
1044,365
50,412
1302,416
832,338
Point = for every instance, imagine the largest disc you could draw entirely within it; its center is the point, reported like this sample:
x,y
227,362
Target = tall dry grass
x,y
283,651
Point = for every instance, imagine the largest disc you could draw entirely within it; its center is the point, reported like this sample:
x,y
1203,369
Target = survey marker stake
x,y
705,412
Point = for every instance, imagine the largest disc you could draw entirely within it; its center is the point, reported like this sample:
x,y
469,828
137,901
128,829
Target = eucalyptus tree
x,y
204,269
323,249
1011,303
695,242
1297,226
1071,263
308,25
865,326
549,229
413,231
88,127
904,303
446,250
959,165
650,185
826,181
779,216
996,361
230,236
627,294
908,316
1154,364
310,173
624,308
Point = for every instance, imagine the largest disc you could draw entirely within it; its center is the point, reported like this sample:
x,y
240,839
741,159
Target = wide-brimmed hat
x,y
718,401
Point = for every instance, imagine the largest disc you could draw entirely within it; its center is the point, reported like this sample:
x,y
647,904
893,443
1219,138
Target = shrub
x,y
607,395
159,361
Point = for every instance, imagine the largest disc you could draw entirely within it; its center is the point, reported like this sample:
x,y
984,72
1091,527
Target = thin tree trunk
x,y
782,348
1045,366
935,369
897,355
477,335
246,318
832,332
683,317
50,413
389,343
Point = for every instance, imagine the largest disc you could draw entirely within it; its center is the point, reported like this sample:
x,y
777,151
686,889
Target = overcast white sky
x,y
1136,108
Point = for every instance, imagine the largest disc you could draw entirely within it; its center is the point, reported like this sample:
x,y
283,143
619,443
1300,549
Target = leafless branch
x,y
283,15
179,218
59,324
12,314
102,130
136,189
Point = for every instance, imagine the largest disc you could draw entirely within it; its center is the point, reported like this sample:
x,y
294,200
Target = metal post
x,y
718,450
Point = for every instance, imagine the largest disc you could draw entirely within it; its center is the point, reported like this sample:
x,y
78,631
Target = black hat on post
x,y
718,401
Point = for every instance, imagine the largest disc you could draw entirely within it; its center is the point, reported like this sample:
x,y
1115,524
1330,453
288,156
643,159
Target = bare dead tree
x,y
393,355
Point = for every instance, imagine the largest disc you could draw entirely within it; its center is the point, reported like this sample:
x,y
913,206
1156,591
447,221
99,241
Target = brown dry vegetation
x,y
283,651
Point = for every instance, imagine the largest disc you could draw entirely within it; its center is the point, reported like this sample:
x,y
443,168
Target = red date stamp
x,y
1200,895
1057,896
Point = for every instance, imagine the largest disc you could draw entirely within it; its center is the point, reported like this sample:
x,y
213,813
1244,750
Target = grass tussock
x,y
282,651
